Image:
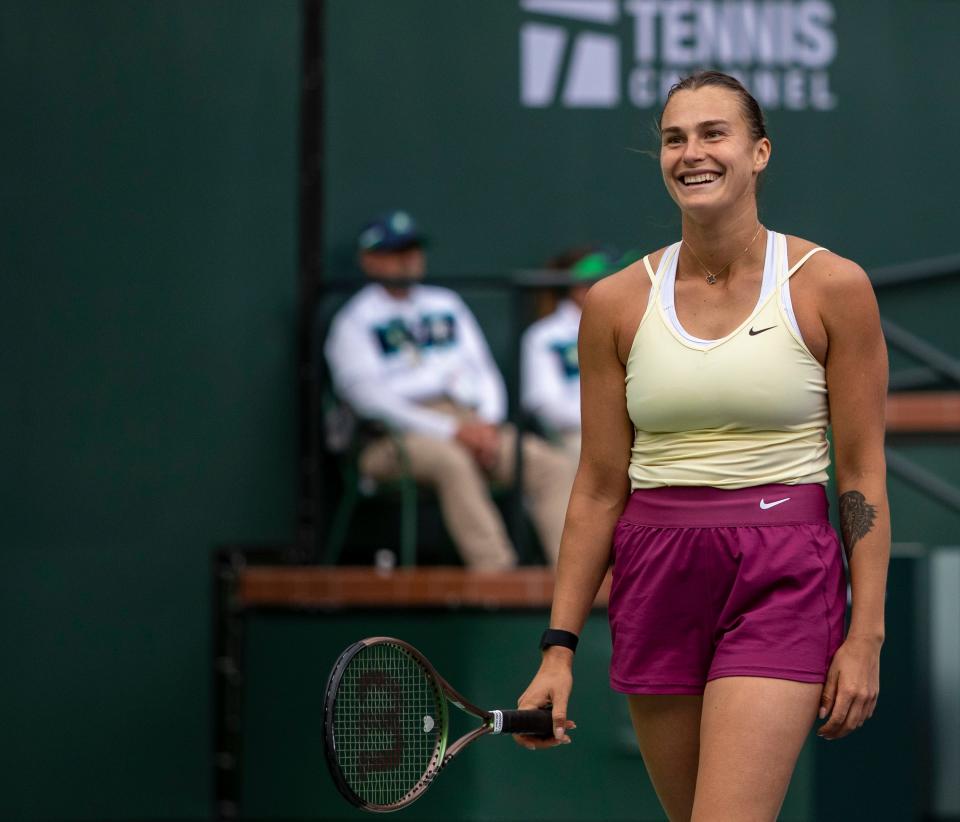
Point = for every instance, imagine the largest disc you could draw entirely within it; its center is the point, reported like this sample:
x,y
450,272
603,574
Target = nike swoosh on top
x,y
766,505
754,333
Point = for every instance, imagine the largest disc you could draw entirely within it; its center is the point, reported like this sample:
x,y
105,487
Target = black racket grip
x,y
538,722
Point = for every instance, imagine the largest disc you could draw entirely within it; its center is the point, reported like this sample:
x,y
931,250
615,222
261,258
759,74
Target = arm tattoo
x,y
856,519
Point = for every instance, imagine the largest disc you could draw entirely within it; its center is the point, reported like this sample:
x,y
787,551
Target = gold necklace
x,y
711,275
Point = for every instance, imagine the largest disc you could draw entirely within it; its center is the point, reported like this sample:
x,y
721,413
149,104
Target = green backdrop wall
x,y
149,267
149,196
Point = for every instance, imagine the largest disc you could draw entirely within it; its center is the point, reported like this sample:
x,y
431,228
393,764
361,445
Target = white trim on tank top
x,y
769,283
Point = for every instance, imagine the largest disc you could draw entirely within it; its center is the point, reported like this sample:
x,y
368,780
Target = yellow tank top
x,y
747,409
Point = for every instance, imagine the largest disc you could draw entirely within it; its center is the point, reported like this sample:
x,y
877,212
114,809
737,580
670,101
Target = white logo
x,y
428,724
592,77
766,505
577,52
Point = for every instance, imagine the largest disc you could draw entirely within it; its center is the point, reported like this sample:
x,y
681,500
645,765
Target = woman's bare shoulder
x,y
616,304
828,272
626,287
837,288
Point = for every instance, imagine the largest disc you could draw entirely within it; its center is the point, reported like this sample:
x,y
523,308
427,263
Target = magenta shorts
x,y
710,583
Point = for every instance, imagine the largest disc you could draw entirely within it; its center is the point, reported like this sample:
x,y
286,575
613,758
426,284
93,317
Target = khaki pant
x,y
570,440
462,485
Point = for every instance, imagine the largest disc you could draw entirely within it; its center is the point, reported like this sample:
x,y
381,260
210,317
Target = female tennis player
x,y
710,371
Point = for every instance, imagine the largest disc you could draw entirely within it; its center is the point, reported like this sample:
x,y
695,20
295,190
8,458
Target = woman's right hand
x,y
550,687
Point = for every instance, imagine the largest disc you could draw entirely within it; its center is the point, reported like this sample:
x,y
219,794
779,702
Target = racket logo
x,y
379,725
428,724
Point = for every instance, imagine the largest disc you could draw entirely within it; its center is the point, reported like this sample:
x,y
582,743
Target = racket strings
x,y
388,722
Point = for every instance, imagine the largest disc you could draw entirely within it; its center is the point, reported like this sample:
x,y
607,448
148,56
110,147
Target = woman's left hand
x,y
853,684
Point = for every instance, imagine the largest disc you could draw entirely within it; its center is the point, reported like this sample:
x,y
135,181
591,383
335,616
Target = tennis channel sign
x,y
577,54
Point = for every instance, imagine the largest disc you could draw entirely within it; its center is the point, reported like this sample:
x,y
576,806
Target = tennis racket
x,y
386,723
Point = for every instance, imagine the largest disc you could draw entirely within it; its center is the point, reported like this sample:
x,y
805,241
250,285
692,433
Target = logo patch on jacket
x,y
437,330
569,361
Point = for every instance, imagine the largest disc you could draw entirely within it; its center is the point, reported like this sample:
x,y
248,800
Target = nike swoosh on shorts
x,y
766,505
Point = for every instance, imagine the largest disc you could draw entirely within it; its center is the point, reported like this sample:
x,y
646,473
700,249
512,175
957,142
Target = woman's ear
x,y
761,154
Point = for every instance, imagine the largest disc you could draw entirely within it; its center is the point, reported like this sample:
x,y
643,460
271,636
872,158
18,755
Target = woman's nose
x,y
693,150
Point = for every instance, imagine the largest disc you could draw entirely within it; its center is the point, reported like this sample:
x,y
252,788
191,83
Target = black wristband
x,y
555,636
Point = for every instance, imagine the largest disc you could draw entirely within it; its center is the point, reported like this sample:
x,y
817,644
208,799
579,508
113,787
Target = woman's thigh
x,y
751,733
668,733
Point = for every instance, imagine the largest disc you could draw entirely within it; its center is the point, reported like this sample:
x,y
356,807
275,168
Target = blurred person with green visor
x,y
550,370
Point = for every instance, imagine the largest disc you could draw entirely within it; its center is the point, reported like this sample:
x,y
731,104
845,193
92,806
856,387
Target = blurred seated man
x,y
550,371
412,357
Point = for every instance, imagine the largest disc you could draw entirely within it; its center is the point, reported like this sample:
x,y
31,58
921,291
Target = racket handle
x,y
538,722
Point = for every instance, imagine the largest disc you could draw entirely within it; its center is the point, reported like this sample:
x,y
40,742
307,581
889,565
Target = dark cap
x,y
393,231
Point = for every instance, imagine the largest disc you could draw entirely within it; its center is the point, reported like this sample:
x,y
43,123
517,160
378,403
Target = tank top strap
x,y
789,272
780,257
663,267
646,265
784,273
657,277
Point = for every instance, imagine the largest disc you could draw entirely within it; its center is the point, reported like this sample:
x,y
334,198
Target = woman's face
x,y
708,158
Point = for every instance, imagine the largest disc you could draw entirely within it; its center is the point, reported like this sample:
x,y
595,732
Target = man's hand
x,y
482,440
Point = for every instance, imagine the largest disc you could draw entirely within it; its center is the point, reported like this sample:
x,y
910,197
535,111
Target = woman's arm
x,y
601,487
599,494
856,368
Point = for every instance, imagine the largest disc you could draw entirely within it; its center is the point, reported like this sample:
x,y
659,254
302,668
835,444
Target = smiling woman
x,y
703,480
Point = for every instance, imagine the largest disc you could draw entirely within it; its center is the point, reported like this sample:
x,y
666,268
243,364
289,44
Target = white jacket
x,y
388,355
550,371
